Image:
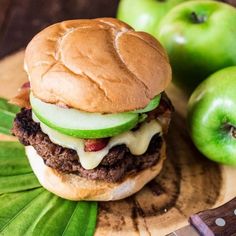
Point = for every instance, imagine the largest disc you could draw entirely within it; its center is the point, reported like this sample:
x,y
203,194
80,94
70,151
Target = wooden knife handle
x,y
220,221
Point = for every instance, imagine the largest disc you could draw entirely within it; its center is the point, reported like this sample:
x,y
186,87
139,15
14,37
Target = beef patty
x,y
118,163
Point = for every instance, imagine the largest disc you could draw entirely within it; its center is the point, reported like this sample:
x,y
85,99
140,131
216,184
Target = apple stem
x,y
196,18
230,129
233,131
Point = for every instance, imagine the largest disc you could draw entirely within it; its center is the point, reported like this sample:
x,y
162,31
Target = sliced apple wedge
x,y
151,105
82,124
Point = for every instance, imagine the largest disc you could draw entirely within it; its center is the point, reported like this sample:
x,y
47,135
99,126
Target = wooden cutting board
x,y
187,184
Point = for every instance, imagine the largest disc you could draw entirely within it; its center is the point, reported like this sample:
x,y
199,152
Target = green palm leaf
x,y
15,172
7,114
39,212
25,207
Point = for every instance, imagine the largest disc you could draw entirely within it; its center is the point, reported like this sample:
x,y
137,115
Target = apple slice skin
x,y
90,134
95,132
212,116
82,124
151,105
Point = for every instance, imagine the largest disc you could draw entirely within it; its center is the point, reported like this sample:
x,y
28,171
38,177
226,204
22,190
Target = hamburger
x,y
94,112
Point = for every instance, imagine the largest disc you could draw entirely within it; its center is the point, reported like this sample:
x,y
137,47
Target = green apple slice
x,y
151,105
82,124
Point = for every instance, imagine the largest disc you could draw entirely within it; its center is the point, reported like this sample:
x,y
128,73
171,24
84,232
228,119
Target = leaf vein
x,y
21,210
68,223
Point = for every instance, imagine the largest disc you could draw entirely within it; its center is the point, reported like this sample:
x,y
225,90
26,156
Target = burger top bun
x,y
100,65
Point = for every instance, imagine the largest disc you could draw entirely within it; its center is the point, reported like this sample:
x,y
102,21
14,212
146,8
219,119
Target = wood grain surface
x,y
20,20
187,184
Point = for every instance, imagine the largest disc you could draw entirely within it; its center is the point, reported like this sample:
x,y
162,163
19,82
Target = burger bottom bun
x,y
73,187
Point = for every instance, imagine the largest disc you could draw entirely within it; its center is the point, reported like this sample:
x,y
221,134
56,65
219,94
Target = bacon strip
x,y
22,97
94,145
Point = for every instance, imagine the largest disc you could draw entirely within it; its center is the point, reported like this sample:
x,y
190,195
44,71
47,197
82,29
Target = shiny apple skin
x,y
199,48
145,15
212,116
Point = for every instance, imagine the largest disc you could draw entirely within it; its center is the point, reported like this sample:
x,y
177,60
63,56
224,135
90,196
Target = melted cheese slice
x,y
137,142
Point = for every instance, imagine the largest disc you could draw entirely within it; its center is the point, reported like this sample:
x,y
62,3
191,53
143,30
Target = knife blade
x,y
220,221
186,230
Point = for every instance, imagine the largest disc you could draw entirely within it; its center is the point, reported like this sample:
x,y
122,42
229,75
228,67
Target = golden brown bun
x,y
75,188
100,65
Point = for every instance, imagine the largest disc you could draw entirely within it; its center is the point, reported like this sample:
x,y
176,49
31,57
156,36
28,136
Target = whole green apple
x,y
200,38
212,116
144,15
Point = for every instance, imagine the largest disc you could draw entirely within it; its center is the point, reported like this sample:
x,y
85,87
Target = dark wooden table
x,y
20,20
